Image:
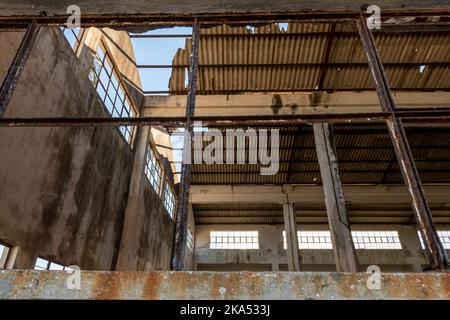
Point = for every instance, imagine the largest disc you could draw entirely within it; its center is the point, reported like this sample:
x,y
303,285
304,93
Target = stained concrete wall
x,y
272,256
63,190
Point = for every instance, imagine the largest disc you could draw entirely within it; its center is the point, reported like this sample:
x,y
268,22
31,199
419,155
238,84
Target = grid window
x,y
43,264
376,240
312,240
5,255
73,36
234,240
361,239
190,240
153,170
169,200
103,77
444,236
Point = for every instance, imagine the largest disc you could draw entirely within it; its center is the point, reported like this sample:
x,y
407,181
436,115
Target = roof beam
x,y
288,104
98,7
355,194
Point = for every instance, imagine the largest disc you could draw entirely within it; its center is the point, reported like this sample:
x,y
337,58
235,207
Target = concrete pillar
x,y
341,237
25,259
290,227
127,252
411,244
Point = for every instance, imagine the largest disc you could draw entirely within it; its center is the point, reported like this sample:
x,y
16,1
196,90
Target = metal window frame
x,y
157,174
126,131
437,257
49,263
234,234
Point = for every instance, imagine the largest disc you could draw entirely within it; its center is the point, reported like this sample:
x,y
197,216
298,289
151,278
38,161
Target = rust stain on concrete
x,y
222,285
152,285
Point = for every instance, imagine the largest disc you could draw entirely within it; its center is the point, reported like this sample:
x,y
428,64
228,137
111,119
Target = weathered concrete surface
x,y
292,103
63,190
222,285
97,7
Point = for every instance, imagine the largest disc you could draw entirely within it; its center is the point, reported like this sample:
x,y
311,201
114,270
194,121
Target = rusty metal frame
x,y
186,169
421,16
394,118
17,66
435,251
409,115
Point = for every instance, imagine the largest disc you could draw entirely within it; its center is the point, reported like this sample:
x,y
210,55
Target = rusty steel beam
x,y
17,66
410,115
325,65
166,19
185,180
421,31
237,91
326,58
435,252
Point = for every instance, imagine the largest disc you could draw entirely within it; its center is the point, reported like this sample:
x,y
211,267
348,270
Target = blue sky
x,y
158,51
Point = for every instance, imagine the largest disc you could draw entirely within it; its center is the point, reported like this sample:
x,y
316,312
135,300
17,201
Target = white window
x,y
361,239
444,236
43,264
6,256
234,240
106,81
169,200
376,240
153,170
312,240
190,240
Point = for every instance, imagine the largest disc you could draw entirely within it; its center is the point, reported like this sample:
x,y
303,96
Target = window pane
x,y
55,266
234,240
105,79
41,264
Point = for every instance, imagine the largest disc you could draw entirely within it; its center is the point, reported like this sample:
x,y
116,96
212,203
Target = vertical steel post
x,y
17,66
185,180
436,254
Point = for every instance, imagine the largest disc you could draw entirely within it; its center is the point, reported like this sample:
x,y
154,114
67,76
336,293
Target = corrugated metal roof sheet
x,y
311,48
365,155
364,152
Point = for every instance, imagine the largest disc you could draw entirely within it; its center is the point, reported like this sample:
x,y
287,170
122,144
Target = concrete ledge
x,y
221,285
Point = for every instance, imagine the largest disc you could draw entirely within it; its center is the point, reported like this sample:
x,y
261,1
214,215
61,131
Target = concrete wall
x,y
272,256
64,190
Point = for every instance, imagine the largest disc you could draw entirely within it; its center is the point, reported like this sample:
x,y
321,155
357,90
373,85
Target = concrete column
x,y
410,242
290,227
131,222
25,259
341,237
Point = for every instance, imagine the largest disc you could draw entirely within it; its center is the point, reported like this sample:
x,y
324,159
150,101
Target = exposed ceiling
x,y
308,57
328,57
311,213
